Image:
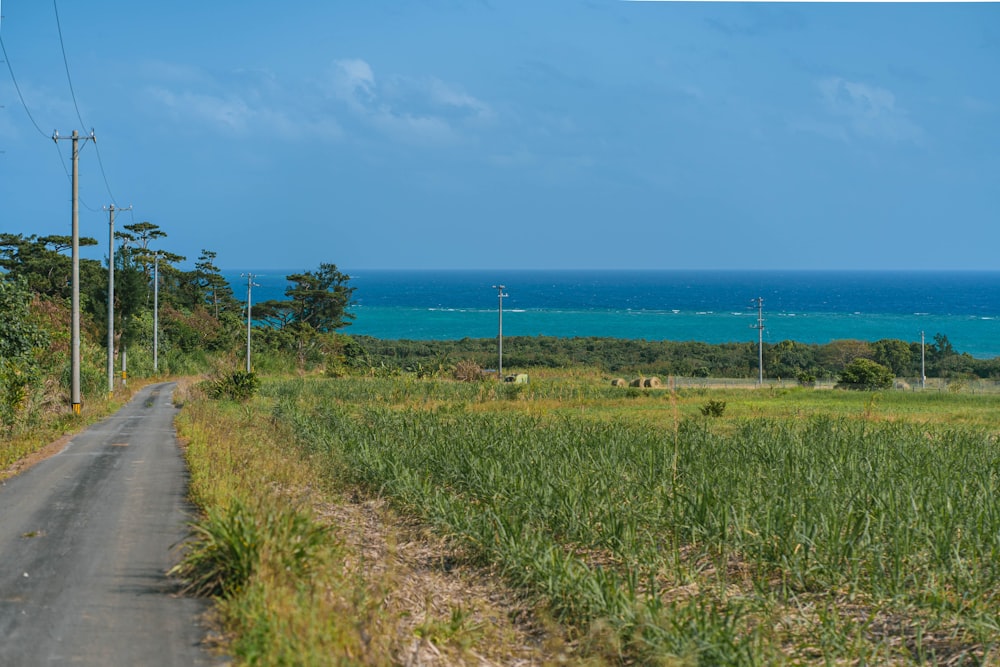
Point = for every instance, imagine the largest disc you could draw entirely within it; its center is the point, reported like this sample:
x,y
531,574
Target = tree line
x,y
787,359
201,322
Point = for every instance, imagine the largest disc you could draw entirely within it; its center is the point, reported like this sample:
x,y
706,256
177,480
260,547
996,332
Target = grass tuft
x,y
229,545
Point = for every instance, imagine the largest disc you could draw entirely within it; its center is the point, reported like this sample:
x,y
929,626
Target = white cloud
x,y
353,81
405,109
445,95
870,111
245,102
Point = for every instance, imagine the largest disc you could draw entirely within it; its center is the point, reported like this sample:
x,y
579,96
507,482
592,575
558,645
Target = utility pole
x,y
759,326
75,301
500,298
923,374
250,285
156,312
111,296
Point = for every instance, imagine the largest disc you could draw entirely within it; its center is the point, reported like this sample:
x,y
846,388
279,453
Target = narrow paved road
x,y
85,540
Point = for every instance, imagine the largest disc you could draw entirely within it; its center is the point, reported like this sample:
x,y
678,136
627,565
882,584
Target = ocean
x,y
709,306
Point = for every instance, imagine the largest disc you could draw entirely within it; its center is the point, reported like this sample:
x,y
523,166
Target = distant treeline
x,y
787,359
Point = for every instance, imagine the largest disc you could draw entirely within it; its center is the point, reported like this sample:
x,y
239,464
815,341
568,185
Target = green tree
x,y
214,289
41,261
865,375
894,354
138,237
789,359
317,301
940,349
837,354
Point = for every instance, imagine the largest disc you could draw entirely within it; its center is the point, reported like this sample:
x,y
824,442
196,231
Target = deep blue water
x,y
711,306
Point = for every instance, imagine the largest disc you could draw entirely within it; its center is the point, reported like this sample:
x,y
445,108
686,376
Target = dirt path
x,y
85,539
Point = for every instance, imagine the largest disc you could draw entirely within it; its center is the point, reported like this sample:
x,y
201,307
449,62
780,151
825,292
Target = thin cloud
x,y
406,109
231,114
354,82
870,111
251,102
448,96
51,111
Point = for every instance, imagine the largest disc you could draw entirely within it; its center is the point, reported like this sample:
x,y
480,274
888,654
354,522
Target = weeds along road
x,y
86,537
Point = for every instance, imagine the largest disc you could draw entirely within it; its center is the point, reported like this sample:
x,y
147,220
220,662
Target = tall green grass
x,y
698,542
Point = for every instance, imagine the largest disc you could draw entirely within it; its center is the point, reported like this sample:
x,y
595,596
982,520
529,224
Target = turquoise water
x,y
714,307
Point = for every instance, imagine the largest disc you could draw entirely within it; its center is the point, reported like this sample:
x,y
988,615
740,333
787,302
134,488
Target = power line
x,y
72,92
34,123
20,96
62,46
27,111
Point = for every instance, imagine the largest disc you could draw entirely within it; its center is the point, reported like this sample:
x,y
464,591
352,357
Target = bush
x,y
865,375
236,386
229,546
713,408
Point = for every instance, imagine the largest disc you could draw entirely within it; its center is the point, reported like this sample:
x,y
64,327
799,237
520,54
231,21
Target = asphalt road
x,y
86,538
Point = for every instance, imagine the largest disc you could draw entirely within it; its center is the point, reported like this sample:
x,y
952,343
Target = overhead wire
x,y
17,87
62,46
76,106
72,92
27,110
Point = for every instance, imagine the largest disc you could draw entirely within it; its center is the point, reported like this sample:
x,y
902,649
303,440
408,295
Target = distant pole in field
x,y
759,326
923,374
75,299
500,297
250,285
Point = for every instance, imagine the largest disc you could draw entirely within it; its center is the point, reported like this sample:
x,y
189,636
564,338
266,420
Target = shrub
x,y
865,375
236,386
229,546
14,388
713,408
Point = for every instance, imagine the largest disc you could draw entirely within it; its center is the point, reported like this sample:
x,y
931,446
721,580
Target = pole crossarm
x,y
75,136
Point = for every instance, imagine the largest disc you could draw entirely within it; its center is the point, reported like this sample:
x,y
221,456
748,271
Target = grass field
x,y
795,526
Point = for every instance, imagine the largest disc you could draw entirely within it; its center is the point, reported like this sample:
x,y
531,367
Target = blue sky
x,y
508,135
